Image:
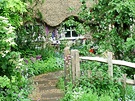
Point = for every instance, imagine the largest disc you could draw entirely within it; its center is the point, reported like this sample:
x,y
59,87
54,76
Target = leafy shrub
x,y
130,92
101,84
79,94
110,23
13,84
41,66
12,89
60,83
13,10
30,38
47,52
7,35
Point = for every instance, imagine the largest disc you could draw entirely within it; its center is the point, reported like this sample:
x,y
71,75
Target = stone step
x,y
52,95
51,99
45,82
46,87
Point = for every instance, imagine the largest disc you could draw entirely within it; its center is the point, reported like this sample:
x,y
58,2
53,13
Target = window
x,y
71,33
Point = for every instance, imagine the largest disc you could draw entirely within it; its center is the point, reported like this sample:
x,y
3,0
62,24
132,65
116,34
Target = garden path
x,y
45,87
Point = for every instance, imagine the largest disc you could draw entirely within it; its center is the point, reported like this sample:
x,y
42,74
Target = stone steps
x,y
46,87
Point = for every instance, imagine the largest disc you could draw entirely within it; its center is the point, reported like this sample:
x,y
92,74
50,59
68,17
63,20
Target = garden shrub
x,y
130,92
110,23
13,84
99,82
30,38
13,10
80,94
37,67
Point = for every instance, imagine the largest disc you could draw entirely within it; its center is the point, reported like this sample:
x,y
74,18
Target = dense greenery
x,y
36,65
111,24
13,83
98,86
13,10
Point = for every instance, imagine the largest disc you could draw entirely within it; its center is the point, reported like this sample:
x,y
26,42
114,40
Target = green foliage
x,y
48,52
111,24
37,67
79,94
8,58
13,85
101,67
101,84
130,92
12,89
110,21
103,88
13,10
28,37
60,83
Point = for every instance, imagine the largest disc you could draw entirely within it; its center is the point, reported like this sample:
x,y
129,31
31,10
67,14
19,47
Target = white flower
x,y
7,51
9,39
20,64
20,60
12,43
3,55
5,21
17,66
10,31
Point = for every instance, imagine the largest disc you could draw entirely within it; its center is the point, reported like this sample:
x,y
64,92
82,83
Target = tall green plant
x,y
12,81
8,58
13,10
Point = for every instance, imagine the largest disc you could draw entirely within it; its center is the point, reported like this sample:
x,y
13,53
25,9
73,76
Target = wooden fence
x,y
72,65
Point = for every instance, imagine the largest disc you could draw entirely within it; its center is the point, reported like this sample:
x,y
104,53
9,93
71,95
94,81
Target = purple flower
x,y
26,61
38,57
47,30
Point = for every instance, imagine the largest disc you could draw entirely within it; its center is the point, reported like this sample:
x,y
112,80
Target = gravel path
x,y
45,87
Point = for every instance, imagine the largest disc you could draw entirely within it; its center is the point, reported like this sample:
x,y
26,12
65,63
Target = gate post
x,y
75,65
110,65
66,66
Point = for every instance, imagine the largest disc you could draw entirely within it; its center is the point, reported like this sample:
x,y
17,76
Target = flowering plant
x,y
8,58
11,79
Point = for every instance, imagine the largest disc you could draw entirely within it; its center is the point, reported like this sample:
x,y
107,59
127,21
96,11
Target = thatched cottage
x,y
54,12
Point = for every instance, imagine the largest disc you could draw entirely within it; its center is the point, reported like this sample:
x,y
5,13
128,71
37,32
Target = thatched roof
x,y
56,11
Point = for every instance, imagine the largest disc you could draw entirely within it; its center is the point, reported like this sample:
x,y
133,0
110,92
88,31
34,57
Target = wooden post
x,y
110,65
124,80
134,79
66,66
75,65
124,86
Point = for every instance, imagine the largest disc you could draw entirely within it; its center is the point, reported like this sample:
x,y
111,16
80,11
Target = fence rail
x,y
117,62
72,65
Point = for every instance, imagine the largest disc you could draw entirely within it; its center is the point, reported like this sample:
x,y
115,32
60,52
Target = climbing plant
x,y
111,23
32,29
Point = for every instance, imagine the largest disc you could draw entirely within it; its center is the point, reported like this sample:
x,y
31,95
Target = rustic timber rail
x,y
72,65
